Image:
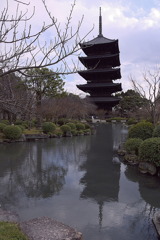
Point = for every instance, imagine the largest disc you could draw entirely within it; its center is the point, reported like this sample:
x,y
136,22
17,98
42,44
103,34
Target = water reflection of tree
x,y
148,186
101,178
37,169
150,192
35,177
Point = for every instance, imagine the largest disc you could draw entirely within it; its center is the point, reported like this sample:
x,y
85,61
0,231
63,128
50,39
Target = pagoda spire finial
x,y
100,23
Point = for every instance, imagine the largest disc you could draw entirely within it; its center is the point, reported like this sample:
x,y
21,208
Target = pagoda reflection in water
x,y
102,63
101,174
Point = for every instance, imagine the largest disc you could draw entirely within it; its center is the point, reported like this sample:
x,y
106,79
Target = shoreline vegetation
x,y
142,148
22,131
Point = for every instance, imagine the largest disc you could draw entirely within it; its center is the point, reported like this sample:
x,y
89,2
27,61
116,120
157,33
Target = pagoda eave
x,y
100,61
108,87
100,74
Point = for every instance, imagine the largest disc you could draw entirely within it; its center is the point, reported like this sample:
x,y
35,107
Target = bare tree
x,y
149,88
21,48
70,106
15,99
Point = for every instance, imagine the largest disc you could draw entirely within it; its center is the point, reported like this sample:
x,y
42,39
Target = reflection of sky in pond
x,y
80,181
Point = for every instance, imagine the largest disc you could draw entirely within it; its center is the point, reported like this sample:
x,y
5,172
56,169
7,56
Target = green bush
x,y
18,122
132,145
65,128
48,127
156,131
142,130
2,126
62,121
25,124
80,126
5,122
131,121
87,126
149,151
74,132
21,127
58,132
12,132
71,125
87,131
80,132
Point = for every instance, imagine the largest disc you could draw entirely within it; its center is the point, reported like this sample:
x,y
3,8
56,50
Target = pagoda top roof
x,y
100,39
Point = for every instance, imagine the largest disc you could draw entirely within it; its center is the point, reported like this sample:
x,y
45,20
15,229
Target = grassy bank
x,y
11,231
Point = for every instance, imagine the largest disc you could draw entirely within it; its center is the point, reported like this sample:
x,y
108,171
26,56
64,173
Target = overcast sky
x,y
135,23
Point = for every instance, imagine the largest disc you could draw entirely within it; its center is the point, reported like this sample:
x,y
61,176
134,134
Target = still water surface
x,y
81,182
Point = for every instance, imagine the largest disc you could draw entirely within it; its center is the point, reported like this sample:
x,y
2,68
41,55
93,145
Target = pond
x,y
81,182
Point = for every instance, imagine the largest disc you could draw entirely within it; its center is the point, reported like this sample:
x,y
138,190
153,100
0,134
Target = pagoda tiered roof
x,y
108,87
104,73
100,45
100,61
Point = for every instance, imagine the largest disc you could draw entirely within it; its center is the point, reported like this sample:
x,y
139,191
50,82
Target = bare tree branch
x,y
21,48
149,88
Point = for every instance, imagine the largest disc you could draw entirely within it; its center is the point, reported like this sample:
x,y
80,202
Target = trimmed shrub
x,y
71,125
65,128
156,131
132,145
2,126
12,132
5,121
149,151
21,127
62,121
87,131
74,132
142,130
58,132
87,126
80,126
25,124
80,132
48,127
131,121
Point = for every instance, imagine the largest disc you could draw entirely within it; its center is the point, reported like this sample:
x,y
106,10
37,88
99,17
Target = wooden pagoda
x,y
103,67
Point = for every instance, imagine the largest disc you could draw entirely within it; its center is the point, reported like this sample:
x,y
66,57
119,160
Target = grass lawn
x,y
32,131
11,231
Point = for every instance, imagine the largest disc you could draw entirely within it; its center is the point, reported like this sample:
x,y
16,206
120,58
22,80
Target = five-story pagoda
x,y
102,63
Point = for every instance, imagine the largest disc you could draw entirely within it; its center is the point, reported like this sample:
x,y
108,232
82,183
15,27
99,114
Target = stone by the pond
x,y
146,167
156,221
44,228
8,216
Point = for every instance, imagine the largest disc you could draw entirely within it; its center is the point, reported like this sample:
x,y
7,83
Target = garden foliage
x,y
2,126
149,151
132,145
48,127
156,131
12,132
142,130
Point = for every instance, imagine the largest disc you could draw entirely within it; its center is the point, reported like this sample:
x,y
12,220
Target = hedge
x,y
142,130
156,131
149,151
2,126
12,132
48,127
132,145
